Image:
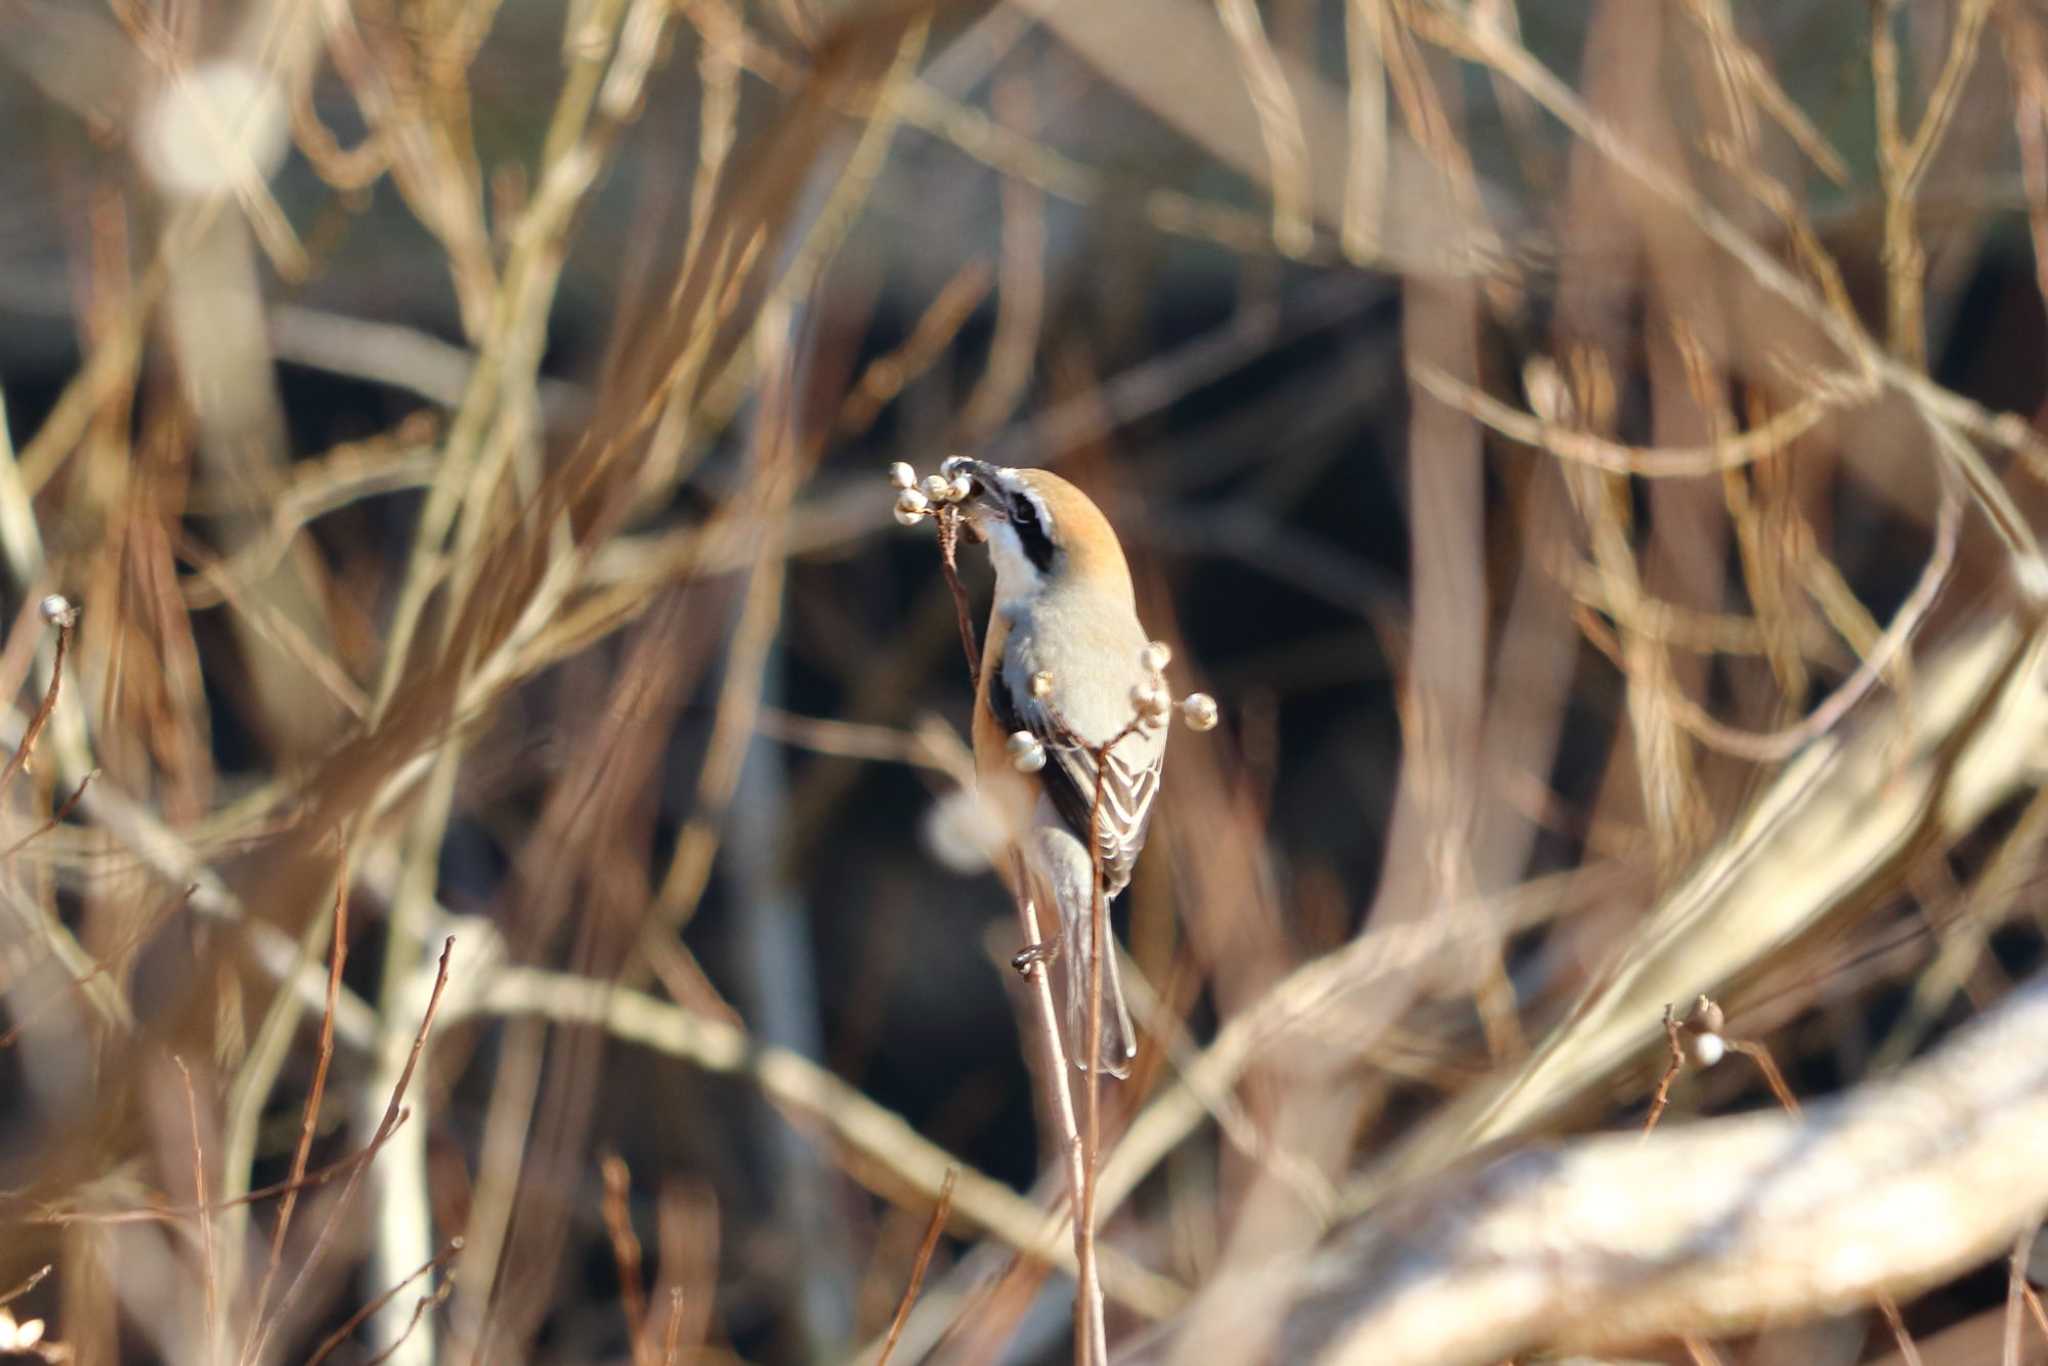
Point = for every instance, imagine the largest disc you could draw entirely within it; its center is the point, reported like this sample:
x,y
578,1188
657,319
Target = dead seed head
x,y
912,507
1706,1017
1702,1028
59,610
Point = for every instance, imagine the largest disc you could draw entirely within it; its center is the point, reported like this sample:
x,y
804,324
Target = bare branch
x,y
1712,1228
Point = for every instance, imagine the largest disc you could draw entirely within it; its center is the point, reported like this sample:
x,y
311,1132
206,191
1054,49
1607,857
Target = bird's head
x,y
1043,533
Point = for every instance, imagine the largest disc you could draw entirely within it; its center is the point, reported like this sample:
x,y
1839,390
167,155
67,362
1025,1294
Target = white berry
x,y
1027,755
911,507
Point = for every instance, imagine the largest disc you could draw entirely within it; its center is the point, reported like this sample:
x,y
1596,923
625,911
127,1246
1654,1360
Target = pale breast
x,y
1092,655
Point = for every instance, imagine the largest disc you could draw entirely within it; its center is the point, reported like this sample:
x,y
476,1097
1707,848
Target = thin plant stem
x,y
932,1230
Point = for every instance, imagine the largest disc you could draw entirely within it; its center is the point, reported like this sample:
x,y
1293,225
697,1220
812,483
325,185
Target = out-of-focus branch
x,y
878,1142
165,853
1710,1229
1946,412
1818,843
1177,82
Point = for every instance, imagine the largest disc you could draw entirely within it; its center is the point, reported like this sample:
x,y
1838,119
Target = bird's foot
x,y
1031,955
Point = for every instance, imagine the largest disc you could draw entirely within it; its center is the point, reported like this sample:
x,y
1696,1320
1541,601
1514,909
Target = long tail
x,y
1119,1041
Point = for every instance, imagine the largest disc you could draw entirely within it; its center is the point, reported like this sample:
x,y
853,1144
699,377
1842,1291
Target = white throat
x,y
1017,579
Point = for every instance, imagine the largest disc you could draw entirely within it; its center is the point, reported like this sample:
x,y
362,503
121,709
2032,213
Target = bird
x,y
1066,667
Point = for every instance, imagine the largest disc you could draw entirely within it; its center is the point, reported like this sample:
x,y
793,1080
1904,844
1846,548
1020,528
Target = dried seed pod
x,y
1198,711
1706,1017
1027,755
1041,685
958,487
58,610
912,507
938,488
902,476
1156,657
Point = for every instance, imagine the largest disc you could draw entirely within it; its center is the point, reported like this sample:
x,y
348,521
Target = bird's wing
x,y
1130,783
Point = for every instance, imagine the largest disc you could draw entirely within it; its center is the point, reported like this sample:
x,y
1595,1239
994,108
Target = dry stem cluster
x,y
1586,443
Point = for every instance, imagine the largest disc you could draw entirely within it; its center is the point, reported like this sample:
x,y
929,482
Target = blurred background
x,y
462,430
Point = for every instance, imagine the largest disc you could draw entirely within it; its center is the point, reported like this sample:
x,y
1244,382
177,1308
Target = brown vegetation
x,y
474,719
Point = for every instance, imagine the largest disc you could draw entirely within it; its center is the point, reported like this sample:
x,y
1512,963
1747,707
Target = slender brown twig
x,y
1098,944
210,1275
948,518
394,1114
672,1337
362,1315
35,1278
65,618
57,817
1773,1078
1091,1145
309,1118
1671,1070
618,1226
925,1249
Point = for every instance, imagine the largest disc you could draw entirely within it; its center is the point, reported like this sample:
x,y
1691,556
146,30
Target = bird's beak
x,y
985,498
980,472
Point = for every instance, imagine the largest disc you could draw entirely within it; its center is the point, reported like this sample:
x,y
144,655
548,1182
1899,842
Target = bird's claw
x,y
1031,955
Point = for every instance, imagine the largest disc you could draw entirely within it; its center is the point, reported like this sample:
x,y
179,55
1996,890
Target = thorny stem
x,y
1663,1095
948,518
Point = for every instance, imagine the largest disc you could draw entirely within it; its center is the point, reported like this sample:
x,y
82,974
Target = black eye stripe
x,y
1031,532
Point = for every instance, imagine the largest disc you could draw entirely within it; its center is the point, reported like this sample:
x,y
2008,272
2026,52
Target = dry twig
x,y
925,1249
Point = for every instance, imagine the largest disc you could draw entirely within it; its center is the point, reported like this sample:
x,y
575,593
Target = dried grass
x,y
476,534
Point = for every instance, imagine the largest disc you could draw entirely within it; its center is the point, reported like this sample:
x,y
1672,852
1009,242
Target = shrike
x,y
1065,660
